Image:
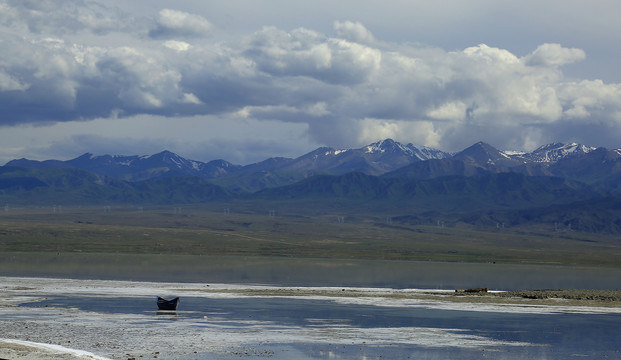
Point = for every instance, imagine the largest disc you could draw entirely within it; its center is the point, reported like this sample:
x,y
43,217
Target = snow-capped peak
x,y
556,151
391,146
171,158
383,146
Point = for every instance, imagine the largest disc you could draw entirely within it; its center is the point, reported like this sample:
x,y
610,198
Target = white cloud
x,y
189,98
353,31
592,100
308,53
172,23
554,55
419,132
454,111
491,55
178,46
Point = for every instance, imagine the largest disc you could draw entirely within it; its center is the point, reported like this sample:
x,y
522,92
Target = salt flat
x,y
86,334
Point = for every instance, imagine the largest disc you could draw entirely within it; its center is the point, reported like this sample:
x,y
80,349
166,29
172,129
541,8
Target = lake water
x,y
307,272
225,326
370,331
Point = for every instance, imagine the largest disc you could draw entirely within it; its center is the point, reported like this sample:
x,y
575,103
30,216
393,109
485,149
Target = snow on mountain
x,y
427,153
171,158
485,154
391,146
554,152
383,146
333,152
374,159
514,153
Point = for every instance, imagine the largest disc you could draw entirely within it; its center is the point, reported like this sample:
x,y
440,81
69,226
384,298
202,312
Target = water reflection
x,y
170,314
322,329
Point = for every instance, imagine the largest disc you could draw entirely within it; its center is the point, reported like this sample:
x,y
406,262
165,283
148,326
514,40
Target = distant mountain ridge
x,y
478,185
557,151
386,158
573,161
374,159
135,168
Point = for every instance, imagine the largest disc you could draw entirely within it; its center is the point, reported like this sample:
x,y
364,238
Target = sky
x,y
245,80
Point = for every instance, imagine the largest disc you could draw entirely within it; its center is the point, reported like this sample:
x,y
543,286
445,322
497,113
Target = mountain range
x,y
477,185
386,158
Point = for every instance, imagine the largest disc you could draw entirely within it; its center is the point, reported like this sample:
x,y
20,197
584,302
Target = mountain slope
x,y
72,186
481,199
487,156
556,151
503,190
597,165
437,168
137,168
599,215
59,186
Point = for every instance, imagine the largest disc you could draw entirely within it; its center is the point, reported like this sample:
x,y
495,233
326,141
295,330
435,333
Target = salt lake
x,y
232,308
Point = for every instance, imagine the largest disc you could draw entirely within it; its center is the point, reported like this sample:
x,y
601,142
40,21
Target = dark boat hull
x,y
164,304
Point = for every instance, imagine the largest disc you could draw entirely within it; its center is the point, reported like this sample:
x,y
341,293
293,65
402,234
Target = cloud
x,y
304,52
62,17
177,45
353,31
554,55
592,99
342,89
139,80
8,83
173,23
241,141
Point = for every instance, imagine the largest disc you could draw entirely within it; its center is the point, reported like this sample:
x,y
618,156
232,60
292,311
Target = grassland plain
x,y
250,230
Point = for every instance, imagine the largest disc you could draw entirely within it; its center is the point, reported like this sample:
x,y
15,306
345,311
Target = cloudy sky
x,y
244,80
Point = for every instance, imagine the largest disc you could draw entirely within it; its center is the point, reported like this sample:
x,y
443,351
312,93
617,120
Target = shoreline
x,y
29,350
592,298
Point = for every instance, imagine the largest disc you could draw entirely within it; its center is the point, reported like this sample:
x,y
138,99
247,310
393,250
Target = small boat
x,y
164,304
